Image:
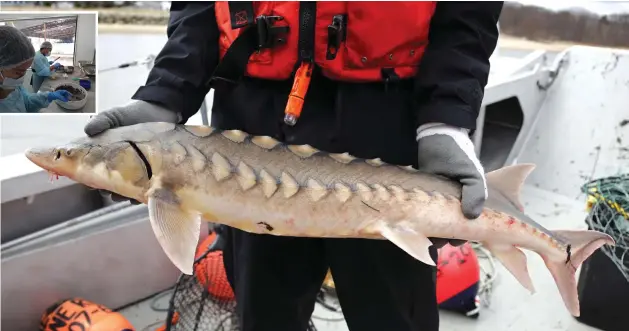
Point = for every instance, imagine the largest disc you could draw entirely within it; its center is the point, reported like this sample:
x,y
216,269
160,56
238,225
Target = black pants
x,y
380,287
276,279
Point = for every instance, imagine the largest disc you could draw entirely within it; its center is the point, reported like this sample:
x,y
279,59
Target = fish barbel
x,y
257,184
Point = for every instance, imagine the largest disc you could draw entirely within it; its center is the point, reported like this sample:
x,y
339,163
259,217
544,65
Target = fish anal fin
x,y
413,243
514,260
509,180
177,230
583,243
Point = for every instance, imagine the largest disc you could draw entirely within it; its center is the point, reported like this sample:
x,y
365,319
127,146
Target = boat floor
x,y
511,306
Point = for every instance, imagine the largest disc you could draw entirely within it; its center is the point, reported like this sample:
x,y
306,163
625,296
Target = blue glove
x,y
56,65
448,151
50,63
60,95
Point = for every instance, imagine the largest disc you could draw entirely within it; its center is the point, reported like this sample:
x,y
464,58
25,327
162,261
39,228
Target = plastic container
x,y
603,286
603,294
79,96
85,83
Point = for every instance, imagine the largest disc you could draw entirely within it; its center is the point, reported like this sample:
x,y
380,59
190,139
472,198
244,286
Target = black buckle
x,y
336,35
268,34
389,76
258,35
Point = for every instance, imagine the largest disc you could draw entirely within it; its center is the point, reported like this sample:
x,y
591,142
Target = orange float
x,y
79,314
458,279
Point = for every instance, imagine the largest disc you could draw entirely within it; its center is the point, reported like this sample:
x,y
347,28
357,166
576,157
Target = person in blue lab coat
x,y
42,68
16,56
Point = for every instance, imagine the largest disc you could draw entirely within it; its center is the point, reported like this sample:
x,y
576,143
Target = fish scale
x,y
260,185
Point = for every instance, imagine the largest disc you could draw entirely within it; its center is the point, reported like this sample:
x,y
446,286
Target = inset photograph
x,y
48,62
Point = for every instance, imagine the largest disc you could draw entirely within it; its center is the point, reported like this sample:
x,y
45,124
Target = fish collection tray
x,y
68,69
88,68
77,94
77,100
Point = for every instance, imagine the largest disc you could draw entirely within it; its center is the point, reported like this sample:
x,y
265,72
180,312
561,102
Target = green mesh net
x,y
608,202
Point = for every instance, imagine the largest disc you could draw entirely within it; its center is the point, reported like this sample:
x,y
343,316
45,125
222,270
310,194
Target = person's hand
x,y
56,65
50,63
135,112
61,95
448,151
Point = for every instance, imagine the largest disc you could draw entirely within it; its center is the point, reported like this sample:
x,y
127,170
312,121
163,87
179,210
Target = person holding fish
x,y
401,81
16,56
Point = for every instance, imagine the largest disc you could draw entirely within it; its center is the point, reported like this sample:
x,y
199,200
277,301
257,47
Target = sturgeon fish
x,y
186,174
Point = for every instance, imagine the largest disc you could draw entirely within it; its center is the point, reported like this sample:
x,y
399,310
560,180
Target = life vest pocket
x,y
391,34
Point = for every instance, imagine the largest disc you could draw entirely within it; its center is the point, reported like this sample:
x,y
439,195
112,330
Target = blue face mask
x,y
11,82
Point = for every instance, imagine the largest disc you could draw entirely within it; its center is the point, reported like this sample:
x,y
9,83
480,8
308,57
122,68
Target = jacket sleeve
x,y
34,102
451,79
179,79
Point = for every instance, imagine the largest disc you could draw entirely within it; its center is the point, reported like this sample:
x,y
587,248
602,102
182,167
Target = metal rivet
x,y
390,56
363,59
412,52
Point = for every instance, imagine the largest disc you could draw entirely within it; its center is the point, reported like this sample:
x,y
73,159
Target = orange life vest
x,y
352,40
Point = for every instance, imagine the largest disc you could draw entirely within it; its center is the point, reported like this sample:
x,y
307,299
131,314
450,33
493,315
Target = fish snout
x,y
41,156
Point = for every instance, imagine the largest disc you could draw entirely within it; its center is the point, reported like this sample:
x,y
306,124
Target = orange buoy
x,y
80,314
458,278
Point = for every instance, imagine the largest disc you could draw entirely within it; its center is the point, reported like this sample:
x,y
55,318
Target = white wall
x,y
85,38
85,41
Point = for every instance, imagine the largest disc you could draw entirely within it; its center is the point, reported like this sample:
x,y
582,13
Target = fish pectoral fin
x,y
413,243
514,260
177,231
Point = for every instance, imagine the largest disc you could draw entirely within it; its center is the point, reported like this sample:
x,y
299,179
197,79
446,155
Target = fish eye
x,y
68,152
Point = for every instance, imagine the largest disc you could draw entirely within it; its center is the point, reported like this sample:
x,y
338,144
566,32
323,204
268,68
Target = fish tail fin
x,y
509,180
581,244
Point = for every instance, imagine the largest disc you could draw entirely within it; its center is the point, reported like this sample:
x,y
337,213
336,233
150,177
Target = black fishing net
x,y
204,301
608,204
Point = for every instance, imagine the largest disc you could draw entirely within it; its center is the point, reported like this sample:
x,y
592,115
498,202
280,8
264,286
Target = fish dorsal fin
x,y
509,181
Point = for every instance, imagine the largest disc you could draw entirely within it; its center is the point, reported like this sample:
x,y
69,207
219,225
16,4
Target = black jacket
x,y
367,120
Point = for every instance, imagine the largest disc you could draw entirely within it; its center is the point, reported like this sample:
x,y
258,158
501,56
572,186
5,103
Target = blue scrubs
x,y
42,70
22,101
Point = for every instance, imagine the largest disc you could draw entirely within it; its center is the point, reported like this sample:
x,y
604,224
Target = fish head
x,y
120,160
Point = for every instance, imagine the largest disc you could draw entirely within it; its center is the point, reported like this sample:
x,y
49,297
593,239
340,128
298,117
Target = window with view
x,y
59,31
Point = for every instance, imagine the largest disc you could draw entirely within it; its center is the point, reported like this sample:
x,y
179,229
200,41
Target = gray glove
x,y
135,112
448,151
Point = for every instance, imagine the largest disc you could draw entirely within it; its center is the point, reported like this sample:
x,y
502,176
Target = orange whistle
x,y
298,93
